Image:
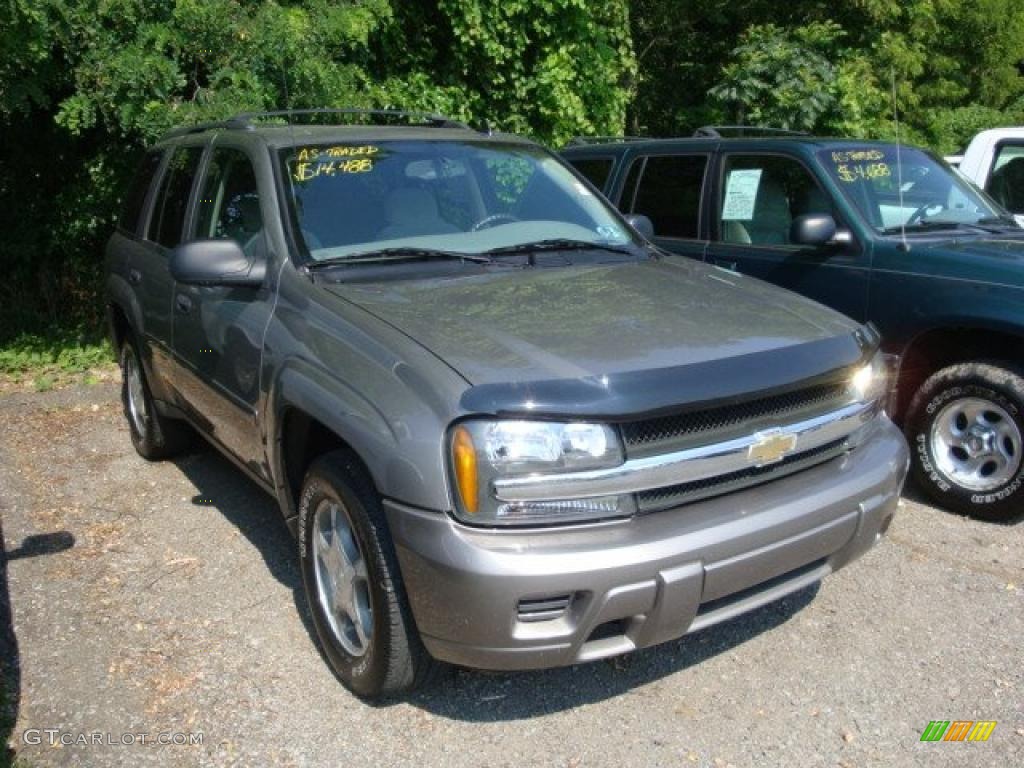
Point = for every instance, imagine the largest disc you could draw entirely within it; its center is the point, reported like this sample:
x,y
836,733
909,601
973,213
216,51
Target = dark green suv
x,y
883,234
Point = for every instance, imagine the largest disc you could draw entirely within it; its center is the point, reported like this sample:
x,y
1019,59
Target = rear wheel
x,y
154,436
353,583
966,429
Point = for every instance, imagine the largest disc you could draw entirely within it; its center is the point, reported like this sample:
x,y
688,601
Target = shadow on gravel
x,y
10,659
489,697
224,488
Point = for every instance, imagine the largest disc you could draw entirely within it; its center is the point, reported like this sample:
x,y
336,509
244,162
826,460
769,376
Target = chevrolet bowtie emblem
x,y
770,447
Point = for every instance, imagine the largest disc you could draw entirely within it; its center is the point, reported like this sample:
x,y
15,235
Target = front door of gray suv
x,y
758,197
148,270
218,330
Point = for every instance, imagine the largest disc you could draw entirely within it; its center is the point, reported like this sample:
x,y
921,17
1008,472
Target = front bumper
x,y
496,599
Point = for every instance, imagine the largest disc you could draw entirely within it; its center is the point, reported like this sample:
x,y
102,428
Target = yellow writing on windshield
x,y
858,156
310,171
854,172
311,154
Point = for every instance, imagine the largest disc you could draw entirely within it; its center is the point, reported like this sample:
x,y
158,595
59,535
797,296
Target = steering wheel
x,y
490,221
918,215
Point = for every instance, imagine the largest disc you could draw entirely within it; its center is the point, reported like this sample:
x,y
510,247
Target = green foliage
x,y
62,351
957,66
780,77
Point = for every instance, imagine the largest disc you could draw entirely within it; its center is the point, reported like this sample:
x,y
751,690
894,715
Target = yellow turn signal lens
x,y
464,456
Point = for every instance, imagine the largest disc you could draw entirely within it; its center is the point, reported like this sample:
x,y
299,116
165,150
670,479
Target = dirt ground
x,y
165,599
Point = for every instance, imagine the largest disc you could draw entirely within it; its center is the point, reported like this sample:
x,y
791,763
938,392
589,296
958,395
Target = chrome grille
x,y
686,493
650,436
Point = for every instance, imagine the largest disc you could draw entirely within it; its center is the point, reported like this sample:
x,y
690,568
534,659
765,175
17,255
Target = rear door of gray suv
x,y
148,268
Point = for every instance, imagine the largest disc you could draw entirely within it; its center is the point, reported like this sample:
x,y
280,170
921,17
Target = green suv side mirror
x,y
812,229
216,262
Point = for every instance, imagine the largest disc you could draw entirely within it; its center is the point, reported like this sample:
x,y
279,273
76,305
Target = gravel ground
x,y
152,598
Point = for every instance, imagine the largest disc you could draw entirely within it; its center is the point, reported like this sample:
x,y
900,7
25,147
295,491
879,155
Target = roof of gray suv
x,y
285,134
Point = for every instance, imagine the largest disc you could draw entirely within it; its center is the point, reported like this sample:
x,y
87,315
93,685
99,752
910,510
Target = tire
x,y
155,437
965,428
342,530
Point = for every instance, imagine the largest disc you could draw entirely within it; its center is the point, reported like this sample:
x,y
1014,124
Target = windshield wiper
x,y
918,226
1004,220
559,244
398,254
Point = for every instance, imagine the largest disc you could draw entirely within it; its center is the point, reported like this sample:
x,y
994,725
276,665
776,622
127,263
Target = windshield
x,y
465,197
933,195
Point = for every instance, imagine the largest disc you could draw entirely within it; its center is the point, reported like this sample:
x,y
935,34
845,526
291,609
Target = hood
x,y
984,259
593,321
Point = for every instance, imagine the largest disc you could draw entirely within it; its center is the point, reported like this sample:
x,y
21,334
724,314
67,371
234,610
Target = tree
x,y
780,77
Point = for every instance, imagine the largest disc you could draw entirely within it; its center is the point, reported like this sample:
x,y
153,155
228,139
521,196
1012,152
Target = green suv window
x,y
760,197
667,189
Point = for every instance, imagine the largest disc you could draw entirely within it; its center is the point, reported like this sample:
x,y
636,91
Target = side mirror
x,y
216,262
641,224
812,229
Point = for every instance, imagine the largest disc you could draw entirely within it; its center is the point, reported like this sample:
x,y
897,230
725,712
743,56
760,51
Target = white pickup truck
x,y
994,160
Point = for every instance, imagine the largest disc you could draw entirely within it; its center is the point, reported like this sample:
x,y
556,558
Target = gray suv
x,y
506,430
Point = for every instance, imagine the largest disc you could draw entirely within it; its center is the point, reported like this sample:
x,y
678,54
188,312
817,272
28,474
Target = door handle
x,y
183,303
134,276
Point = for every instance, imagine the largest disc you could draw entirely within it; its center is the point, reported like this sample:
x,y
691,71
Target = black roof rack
x,y
582,141
716,131
247,120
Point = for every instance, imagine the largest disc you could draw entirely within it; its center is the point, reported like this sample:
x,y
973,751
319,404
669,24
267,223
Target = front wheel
x,y
353,584
966,429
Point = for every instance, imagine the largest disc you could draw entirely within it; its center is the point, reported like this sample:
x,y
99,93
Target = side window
x,y
596,169
131,207
229,204
669,192
1006,182
762,195
168,218
636,168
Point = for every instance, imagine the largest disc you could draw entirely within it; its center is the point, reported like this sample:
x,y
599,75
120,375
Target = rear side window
x,y
131,207
669,193
168,217
596,169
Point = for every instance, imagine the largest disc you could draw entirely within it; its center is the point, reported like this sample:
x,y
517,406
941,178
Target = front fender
x,y
401,448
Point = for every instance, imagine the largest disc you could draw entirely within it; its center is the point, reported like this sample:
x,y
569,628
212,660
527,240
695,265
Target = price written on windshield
x,y
310,171
314,162
856,164
851,172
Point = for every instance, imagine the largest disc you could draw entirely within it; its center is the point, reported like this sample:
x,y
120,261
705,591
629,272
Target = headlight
x,y
871,382
482,451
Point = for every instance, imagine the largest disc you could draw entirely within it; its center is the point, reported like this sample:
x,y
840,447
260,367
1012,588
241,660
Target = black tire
x,y
999,384
155,437
394,660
